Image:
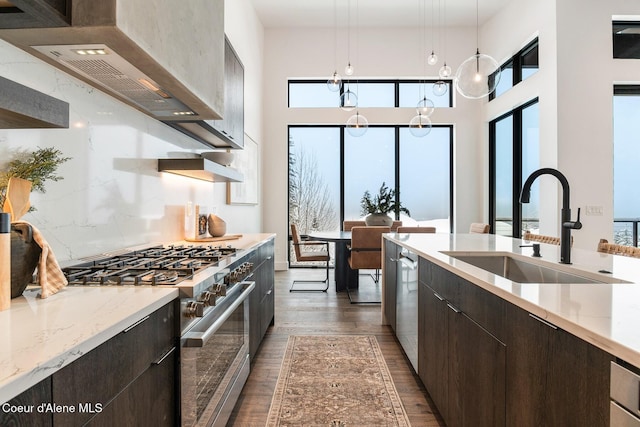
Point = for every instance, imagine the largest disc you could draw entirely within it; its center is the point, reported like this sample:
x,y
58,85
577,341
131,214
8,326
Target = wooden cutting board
x,y
216,239
17,201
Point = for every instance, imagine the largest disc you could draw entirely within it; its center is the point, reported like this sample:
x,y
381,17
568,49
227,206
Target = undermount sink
x,y
522,270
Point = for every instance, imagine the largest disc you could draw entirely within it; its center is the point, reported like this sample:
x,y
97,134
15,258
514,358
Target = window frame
x,y
397,145
516,179
516,64
396,84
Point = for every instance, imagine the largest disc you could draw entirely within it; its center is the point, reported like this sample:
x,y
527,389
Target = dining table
x,y
345,276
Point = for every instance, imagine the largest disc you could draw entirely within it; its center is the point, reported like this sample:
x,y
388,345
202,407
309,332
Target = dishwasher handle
x,y
406,260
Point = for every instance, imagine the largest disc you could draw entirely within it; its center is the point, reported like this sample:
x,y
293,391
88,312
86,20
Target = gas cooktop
x,y
153,266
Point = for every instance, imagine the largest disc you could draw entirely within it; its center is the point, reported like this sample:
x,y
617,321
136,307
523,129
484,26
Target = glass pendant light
x,y
335,82
348,100
445,71
479,74
439,88
432,59
357,125
420,126
425,107
348,70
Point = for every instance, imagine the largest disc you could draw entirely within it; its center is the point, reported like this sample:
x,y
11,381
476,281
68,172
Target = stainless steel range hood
x,y
163,58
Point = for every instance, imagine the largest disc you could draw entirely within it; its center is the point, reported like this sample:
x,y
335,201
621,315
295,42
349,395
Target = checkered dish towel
x,y
50,276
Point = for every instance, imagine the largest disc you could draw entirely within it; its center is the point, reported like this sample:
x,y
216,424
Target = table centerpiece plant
x,y
377,208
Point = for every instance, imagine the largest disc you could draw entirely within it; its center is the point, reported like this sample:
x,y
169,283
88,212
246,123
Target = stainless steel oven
x,y
215,360
214,284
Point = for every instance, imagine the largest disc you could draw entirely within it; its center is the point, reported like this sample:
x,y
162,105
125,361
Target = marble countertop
x,y
606,315
41,336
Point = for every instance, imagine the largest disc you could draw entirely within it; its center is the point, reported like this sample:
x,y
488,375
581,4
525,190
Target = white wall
x,y
112,195
380,52
575,86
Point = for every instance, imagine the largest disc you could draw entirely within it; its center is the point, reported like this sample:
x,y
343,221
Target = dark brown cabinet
x,y
231,127
553,377
262,299
461,363
141,360
487,362
26,404
131,379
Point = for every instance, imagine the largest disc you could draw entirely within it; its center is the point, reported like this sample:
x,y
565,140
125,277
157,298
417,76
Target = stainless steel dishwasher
x,y
407,305
625,396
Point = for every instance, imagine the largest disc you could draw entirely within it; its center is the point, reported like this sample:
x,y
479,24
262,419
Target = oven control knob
x,y
220,290
194,309
208,298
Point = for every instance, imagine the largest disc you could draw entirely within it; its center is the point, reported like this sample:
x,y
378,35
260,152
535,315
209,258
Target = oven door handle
x,y
199,339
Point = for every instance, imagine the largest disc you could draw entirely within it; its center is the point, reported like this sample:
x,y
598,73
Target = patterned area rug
x,y
335,381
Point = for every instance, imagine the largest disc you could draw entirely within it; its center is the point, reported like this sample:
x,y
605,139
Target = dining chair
x,y
408,229
395,225
304,253
616,249
348,225
366,252
479,228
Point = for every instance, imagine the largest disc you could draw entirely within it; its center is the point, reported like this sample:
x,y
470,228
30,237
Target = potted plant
x,y
378,207
36,167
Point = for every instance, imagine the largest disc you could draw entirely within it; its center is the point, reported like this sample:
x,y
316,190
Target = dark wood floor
x,y
325,314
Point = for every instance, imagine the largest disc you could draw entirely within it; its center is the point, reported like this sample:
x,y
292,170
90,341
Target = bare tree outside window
x,y
311,207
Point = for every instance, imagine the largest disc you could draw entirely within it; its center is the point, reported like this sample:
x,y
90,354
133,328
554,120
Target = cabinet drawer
x,y
98,376
621,418
446,284
625,388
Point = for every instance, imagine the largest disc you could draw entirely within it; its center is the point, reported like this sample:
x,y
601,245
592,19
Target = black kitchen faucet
x,y
567,224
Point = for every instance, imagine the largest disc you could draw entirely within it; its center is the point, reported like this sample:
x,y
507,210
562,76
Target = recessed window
x,y
411,93
519,67
626,39
370,93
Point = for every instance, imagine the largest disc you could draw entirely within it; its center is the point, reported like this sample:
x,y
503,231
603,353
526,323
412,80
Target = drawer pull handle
x,y
551,325
269,291
438,296
453,308
135,324
164,356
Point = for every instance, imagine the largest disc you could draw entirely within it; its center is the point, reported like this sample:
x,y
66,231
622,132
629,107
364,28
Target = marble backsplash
x,y
111,195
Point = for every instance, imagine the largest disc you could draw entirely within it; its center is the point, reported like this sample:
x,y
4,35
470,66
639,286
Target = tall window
x,y
626,158
514,155
329,171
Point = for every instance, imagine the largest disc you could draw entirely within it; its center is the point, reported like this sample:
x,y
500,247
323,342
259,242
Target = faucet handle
x,y
576,225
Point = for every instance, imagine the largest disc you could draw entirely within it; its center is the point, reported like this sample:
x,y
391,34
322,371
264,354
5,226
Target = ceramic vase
x,y
217,226
380,219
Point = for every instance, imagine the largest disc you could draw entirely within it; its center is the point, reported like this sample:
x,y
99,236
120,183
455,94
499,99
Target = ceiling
x,y
374,13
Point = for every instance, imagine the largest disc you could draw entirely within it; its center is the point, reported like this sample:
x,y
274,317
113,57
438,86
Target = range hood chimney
x,y
164,58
